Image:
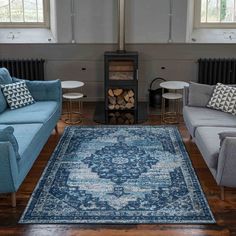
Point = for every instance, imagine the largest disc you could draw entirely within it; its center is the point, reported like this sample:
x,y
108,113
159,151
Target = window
x,y
215,13
24,13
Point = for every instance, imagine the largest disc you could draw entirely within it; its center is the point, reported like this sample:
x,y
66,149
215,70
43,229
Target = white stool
x,y
76,99
72,97
171,117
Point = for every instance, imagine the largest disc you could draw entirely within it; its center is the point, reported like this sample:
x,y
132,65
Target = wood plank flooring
x,y
224,211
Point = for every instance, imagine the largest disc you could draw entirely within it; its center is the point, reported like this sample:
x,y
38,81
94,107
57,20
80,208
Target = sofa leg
x,y
13,199
56,129
222,193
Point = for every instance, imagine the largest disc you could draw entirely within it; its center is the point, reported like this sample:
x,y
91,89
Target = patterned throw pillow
x,y
17,95
223,99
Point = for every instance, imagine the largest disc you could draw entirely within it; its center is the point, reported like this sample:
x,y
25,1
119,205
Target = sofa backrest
x,y
199,94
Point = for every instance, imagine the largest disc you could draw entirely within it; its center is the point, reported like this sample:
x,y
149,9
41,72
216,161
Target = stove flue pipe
x,y
121,25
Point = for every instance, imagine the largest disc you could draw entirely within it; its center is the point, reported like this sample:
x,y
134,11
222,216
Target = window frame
x,y
45,24
199,24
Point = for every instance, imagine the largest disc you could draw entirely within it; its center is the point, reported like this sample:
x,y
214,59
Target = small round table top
x,y
175,85
72,96
71,84
172,96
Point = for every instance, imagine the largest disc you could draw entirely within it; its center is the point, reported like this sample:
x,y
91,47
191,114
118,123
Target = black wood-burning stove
x,y
121,87
121,104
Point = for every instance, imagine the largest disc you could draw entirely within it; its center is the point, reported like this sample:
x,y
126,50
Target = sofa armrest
x,y
45,90
185,96
226,174
8,168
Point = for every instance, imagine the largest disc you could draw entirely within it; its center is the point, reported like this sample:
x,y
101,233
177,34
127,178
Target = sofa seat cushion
x,y
208,142
24,135
198,117
38,112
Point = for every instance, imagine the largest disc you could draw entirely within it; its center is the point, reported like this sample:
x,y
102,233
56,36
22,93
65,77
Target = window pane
x,y
203,11
16,11
213,11
227,10
4,11
40,11
30,7
217,11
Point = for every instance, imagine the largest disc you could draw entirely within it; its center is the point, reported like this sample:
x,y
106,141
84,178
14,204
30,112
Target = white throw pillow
x,y
223,99
17,95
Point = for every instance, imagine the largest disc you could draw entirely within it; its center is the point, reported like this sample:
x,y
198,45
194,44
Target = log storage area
x,y
121,99
121,118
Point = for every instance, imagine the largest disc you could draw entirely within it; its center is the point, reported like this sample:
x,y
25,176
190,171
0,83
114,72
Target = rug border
x,y
183,151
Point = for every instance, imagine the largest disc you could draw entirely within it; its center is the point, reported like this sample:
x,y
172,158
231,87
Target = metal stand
x,y
171,117
74,107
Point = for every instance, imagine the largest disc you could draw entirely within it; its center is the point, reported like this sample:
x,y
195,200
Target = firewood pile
x,y
121,118
121,76
121,99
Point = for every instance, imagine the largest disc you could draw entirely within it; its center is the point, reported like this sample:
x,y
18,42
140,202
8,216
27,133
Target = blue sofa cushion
x,y
6,135
3,102
17,95
5,77
38,112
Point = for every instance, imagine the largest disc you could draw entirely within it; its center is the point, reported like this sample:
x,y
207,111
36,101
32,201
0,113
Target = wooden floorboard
x,y
224,211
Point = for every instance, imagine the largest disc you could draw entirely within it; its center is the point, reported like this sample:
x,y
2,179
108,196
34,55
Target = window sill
x,y
23,35
225,36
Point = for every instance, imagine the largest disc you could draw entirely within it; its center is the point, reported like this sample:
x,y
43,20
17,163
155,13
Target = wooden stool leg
x,y
56,129
13,199
222,193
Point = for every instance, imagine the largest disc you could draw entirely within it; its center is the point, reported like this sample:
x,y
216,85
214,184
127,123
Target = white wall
x,y
147,21
95,30
65,61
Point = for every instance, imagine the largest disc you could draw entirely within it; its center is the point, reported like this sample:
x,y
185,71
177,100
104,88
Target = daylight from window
x,y
21,11
218,11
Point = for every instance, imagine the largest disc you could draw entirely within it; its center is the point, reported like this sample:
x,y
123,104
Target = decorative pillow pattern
x,y
223,99
17,95
6,135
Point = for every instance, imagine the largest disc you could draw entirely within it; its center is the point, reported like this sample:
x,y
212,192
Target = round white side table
x,y
172,117
74,104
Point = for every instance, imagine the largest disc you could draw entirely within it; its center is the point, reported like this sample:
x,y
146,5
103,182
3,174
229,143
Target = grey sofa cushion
x,y
197,117
208,143
226,134
199,94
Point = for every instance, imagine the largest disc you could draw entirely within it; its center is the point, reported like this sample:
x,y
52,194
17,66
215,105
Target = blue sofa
x,y
32,126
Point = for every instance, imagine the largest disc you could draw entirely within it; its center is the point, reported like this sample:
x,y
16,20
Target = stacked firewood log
x,y
121,99
121,118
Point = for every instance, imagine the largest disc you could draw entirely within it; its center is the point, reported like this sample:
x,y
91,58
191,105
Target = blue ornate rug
x,y
119,175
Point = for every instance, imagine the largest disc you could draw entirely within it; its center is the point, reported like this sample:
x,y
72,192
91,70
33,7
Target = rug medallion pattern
x,y
130,175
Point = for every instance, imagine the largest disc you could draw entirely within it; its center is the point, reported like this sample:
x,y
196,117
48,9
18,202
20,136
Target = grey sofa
x,y
205,125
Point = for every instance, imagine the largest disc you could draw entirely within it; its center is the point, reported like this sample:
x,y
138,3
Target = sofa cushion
x,y
38,112
3,102
199,94
5,77
223,99
17,95
197,117
226,134
7,135
208,142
